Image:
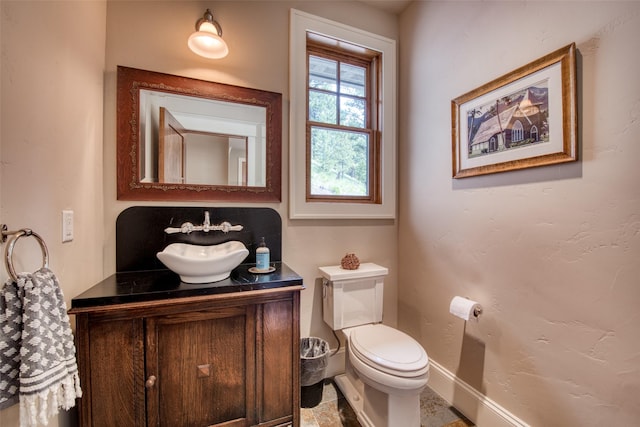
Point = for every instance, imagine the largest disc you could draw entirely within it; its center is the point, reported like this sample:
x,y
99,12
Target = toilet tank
x,y
352,297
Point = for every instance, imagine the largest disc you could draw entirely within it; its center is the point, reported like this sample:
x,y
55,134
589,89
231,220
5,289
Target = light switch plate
x,y
67,226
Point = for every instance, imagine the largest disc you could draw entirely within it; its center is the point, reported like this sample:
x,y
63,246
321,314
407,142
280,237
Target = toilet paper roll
x,y
465,308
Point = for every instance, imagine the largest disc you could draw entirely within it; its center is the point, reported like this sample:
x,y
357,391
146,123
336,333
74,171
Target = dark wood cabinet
x,y
226,359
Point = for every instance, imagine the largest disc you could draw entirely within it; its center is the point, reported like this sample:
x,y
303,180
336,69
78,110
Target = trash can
x,y
314,355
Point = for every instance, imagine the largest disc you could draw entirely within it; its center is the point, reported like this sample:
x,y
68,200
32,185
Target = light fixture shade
x,y
207,40
208,45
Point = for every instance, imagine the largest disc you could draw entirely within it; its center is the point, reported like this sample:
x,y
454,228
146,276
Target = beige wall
x,y
58,126
52,62
551,253
152,36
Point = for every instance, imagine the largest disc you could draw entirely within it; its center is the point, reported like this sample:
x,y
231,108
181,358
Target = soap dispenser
x,y
262,256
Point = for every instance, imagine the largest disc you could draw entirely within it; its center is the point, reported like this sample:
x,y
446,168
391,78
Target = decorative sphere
x,y
350,262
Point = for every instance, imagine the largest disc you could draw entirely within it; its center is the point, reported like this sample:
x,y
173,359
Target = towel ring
x,y
8,255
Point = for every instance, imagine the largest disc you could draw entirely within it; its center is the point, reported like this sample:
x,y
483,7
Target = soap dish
x,y
254,270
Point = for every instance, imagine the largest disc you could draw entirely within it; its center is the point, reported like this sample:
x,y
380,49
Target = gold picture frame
x,y
526,118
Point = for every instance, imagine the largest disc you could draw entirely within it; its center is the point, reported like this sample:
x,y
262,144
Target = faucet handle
x,y
226,227
187,228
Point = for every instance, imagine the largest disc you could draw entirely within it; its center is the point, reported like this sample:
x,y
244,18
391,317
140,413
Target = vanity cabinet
x,y
215,359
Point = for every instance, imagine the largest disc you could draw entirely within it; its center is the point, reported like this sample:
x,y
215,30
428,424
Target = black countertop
x,y
152,285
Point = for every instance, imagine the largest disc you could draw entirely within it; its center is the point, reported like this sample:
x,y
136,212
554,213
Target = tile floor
x,y
334,411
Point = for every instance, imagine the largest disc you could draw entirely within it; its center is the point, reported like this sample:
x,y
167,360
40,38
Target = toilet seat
x,y
388,350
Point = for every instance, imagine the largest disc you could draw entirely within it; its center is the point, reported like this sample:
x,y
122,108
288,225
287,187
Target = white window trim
x,y
299,208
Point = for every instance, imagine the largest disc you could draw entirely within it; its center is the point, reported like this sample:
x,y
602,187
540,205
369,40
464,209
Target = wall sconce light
x,y
207,40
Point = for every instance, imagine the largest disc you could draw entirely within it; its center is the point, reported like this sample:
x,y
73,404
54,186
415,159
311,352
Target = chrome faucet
x,y
207,222
206,226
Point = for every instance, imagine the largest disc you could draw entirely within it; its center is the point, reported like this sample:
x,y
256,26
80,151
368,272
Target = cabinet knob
x,y
151,381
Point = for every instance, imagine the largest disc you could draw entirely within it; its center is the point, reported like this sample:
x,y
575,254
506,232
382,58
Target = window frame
x,y
369,61
385,201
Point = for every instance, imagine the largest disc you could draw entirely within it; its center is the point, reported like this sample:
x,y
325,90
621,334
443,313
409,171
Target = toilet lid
x,y
389,348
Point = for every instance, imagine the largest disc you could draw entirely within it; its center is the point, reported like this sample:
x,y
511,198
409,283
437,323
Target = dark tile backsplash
x,y
140,232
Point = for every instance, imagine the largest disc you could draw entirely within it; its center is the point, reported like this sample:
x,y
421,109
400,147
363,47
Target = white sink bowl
x,y
203,264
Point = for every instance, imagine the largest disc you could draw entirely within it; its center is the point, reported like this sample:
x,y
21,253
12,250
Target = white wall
x,y
52,61
551,253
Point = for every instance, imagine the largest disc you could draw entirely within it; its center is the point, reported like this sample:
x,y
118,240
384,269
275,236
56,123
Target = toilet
x,y
385,369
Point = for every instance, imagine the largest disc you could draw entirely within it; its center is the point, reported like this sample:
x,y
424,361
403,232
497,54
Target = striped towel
x,y
37,354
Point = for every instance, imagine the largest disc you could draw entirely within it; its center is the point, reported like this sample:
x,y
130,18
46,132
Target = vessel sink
x,y
203,264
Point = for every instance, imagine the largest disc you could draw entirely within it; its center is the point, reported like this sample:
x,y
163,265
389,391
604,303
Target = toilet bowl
x,y
385,369
388,358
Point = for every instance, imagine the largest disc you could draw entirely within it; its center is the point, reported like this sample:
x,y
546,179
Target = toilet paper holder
x,y
465,308
477,311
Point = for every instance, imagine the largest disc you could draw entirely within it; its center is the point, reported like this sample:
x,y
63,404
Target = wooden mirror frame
x,y
131,80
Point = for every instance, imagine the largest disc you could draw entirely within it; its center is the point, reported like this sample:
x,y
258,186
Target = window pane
x,y
323,73
322,107
352,112
352,80
339,163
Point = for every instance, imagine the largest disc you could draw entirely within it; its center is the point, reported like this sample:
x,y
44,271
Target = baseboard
x,y
483,411
473,404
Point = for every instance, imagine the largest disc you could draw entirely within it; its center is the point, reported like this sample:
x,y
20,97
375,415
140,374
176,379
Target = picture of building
x,y
511,122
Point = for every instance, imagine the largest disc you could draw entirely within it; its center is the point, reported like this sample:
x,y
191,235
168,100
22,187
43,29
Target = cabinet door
x,y
278,361
112,380
200,368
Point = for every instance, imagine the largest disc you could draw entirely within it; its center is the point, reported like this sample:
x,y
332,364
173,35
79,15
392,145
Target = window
x,y
517,132
343,121
342,149
493,143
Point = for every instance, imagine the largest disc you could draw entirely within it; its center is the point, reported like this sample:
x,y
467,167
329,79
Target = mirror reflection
x,y
189,139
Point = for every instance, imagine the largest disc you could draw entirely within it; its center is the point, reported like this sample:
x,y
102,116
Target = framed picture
x,y
523,119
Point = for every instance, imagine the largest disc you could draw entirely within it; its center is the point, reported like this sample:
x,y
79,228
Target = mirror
x,y
187,139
